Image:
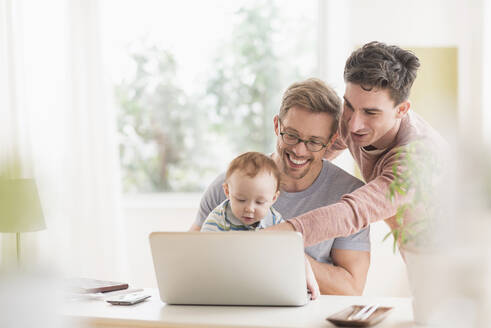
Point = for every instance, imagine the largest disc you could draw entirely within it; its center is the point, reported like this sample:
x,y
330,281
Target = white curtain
x,y
60,123
486,85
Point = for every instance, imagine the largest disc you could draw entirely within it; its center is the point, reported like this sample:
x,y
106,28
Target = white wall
x,y
417,23
486,72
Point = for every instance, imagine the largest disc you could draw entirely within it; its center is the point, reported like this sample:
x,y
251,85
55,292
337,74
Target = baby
x,y
252,184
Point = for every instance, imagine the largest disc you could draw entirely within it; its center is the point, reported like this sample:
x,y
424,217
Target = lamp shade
x,y
20,208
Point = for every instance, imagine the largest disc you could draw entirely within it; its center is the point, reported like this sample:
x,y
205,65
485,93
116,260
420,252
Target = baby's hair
x,y
251,163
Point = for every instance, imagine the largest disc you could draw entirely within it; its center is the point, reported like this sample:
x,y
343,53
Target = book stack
x,y
86,288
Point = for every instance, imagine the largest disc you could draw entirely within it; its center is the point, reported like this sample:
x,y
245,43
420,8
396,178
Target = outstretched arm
x,y
285,226
354,211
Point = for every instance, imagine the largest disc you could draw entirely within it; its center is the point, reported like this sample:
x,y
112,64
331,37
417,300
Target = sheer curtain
x,y
59,120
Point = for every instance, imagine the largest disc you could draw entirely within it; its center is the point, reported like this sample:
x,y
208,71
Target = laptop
x,y
230,268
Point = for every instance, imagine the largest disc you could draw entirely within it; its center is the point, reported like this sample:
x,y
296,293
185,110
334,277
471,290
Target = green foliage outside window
x,y
159,126
246,85
171,140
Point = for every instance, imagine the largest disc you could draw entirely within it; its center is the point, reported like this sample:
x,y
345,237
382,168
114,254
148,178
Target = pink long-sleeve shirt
x,y
369,203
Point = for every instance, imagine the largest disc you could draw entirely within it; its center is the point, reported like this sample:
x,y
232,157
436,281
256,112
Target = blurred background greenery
x,y
166,129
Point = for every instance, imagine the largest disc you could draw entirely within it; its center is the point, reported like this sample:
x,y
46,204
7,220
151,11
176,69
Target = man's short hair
x,y
381,66
251,163
314,95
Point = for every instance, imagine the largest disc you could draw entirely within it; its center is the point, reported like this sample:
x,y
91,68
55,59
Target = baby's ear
x,y
276,196
225,190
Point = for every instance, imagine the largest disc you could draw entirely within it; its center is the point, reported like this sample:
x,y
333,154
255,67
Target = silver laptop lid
x,y
230,268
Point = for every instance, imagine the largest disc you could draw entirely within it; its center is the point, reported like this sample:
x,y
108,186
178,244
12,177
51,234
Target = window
x,y
198,82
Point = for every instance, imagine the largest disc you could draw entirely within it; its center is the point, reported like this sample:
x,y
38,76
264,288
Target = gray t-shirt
x,y
330,185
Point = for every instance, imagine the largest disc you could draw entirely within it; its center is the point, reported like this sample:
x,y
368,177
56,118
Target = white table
x,y
154,313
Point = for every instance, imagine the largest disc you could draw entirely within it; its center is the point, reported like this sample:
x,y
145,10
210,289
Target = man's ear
x,y
402,109
225,190
276,127
332,140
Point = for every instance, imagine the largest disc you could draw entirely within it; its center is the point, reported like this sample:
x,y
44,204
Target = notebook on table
x,y
232,268
86,285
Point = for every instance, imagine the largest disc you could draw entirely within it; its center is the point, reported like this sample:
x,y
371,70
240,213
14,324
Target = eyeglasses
x,y
292,139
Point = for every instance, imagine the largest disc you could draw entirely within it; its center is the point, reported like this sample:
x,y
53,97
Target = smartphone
x,y
128,299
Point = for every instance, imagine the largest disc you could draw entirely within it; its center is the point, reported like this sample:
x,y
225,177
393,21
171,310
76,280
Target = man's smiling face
x,y
296,161
371,116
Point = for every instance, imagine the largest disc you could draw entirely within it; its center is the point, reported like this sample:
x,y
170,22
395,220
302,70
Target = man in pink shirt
x,y
377,126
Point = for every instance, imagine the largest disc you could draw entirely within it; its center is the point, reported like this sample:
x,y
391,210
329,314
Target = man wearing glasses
x,y
308,120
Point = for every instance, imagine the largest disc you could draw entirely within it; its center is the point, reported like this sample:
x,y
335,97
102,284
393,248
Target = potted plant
x,y
442,231
416,190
